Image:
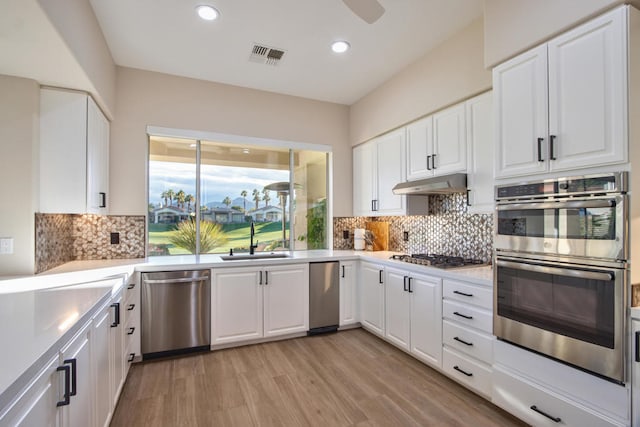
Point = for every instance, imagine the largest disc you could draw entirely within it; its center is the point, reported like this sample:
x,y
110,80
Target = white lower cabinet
x,y
100,361
372,297
467,370
348,294
77,354
256,302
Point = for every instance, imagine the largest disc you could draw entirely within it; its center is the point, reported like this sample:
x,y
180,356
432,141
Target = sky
x,y
218,182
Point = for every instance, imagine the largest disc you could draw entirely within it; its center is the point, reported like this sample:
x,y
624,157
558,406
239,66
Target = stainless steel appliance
x,y
440,261
175,312
324,297
561,275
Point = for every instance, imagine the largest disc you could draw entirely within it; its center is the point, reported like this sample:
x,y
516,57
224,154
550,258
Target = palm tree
x,y
171,194
180,195
256,196
243,193
165,196
266,197
227,201
189,198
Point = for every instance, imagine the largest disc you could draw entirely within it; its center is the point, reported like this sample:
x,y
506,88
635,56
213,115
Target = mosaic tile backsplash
x,y
62,238
448,229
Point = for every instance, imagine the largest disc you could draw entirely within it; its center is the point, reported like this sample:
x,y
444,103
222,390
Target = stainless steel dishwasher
x,y
175,312
324,297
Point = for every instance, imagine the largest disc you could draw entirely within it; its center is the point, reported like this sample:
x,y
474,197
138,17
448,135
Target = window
x,y
204,195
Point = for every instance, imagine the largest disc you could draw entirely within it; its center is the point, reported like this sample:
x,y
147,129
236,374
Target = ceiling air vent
x,y
266,55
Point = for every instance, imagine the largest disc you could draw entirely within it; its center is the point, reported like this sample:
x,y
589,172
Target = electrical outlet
x,y
345,234
405,236
115,238
6,245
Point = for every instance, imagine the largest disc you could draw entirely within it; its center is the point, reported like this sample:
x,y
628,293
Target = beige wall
x,y
513,26
19,110
447,74
78,26
146,98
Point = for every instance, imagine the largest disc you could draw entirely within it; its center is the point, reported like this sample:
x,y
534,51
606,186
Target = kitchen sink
x,y
244,257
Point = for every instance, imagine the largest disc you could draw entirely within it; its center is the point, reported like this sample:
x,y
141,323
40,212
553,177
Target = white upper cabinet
x,y
436,145
562,106
480,151
74,153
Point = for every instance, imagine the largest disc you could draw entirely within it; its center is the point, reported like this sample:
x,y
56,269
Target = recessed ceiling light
x,y
206,12
340,46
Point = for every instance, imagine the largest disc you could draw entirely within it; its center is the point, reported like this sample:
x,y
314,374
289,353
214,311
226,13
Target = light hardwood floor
x,y
341,379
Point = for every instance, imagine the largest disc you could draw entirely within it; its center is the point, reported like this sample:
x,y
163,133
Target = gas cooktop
x,y
440,261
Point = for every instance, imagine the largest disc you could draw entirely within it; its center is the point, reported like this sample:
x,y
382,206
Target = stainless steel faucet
x,y
252,247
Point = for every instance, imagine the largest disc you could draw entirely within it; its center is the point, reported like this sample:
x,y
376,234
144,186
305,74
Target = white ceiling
x,y
168,37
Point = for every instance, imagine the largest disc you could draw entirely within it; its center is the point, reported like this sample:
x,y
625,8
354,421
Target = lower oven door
x,y
573,313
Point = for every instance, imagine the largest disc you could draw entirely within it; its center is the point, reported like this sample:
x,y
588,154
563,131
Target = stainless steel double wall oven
x,y
561,270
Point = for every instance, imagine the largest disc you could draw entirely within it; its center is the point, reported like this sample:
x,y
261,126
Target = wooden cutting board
x,y
380,231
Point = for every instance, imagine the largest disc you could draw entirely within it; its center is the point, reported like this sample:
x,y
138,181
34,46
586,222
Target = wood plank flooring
x,y
349,378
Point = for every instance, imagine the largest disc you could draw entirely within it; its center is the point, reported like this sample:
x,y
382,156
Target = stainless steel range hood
x,y
454,183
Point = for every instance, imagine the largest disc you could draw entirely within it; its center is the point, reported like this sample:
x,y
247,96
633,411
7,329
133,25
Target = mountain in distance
x,y
234,202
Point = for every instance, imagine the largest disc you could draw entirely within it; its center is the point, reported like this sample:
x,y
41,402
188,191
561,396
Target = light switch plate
x,y
6,245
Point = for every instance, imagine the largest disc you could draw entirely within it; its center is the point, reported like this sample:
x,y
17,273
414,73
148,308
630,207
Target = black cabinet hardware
x,y
428,160
462,293
404,286
130,307
343,271
260,282
552,155
463,315
131,331
103,200
74,371
469,374
67,379
116,322
540,159
468,202
410,288
266,277
131,286
372,207
131,357
637,346
433,162
380,279
552,418
463,341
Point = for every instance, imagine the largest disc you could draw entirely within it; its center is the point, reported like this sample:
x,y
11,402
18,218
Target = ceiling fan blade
x,y
369,10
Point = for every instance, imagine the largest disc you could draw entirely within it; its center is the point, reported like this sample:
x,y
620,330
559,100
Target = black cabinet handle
x,y
462,293
463,315
266,277
116,322
433,162
410,289
131,286
540,159
103,200
131,331
67,380
463,341
637,346
468,202
404,285
552,418
130,307
342,271
552,155
428,160
469,374
260,282
72,362
131,357
380,278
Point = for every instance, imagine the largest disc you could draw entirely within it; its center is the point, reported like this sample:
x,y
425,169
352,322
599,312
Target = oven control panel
x,y
581,185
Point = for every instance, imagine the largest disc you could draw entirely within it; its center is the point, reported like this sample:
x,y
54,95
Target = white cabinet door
x,y
480,143
587,94
97,159
397,308
449,141
78,352
426,318
38,405
117,347
363,179
286,299
520,108
419,146
348,294
236,305
389,172
372,294
100,363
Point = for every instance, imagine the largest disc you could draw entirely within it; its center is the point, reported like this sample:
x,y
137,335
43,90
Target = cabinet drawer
x,y
468,293
468,341
469,372
468,315
531,402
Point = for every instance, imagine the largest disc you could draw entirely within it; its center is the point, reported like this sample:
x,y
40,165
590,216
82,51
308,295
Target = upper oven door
x,y
593,227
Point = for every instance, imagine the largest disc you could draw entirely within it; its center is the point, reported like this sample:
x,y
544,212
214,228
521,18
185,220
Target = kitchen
x,y
448,74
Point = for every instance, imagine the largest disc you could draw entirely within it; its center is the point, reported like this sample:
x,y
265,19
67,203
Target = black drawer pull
x,y
67,380
380,277
463,315
552,418
130,307
74,371
342,271
462,293
131,286
116,322
131,330
131,357
463,341
469,374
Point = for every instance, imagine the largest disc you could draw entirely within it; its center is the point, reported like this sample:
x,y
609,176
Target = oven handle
x,y
556,270
576,204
